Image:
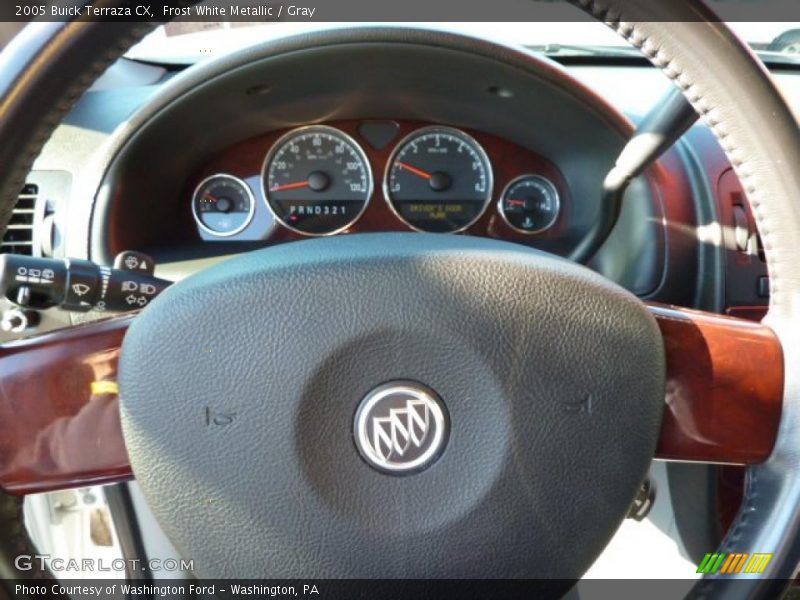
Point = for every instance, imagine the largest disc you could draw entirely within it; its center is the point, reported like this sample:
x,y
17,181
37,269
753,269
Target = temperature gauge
x,y
529,204
223,205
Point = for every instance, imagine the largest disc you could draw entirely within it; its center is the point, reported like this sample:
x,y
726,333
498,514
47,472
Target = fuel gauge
x,y
529,204
223,205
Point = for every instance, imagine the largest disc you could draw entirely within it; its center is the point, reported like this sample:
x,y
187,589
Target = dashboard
x,y
378,175
192,167
241,153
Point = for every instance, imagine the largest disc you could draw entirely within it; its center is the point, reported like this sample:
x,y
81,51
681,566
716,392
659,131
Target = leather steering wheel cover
x,y
44,70
717,72
732,91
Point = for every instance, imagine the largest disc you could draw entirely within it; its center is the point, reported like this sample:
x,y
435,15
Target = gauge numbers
x,y
317,180
439,179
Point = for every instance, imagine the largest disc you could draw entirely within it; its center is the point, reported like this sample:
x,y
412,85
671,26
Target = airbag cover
x,y
239,388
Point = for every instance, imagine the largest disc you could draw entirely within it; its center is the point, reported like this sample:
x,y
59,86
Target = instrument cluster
x,y
327,179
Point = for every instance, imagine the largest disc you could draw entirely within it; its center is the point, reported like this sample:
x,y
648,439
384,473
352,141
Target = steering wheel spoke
x,y
724,387
59,411
60,427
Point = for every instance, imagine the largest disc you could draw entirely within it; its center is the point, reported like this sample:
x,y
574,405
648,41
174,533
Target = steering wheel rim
x,y
764,129
719,75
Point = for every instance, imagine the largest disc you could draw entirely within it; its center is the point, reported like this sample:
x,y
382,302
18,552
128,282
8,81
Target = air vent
x,y
19,235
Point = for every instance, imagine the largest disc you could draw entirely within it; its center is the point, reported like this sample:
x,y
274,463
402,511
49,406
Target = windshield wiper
x,y
578,50
778,57
573,50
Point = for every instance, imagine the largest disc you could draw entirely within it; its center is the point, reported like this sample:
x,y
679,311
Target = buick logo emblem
x,y
401,427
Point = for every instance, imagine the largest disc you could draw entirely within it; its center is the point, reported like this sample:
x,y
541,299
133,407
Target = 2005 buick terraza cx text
x,y
501,304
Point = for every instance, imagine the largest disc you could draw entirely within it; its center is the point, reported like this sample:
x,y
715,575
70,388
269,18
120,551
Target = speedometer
x,y
439,179
317,180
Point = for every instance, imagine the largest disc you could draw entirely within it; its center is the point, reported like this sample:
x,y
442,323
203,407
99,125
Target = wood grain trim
x,y
55,433
508,160
723,399
724,387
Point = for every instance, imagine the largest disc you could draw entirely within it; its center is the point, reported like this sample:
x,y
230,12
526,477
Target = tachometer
x,y
223,205
317,180
439,179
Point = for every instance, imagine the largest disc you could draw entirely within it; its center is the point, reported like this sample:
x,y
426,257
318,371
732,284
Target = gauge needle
x,y
210,197
290,186
414,170
514,202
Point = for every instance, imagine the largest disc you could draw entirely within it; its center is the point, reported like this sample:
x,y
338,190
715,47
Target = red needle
x,y
414,170
289,186
210,197
514,202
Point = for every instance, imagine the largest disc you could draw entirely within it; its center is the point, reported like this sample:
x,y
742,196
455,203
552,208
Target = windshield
x,y
190,42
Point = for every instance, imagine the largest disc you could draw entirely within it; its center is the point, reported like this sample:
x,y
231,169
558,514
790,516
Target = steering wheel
x,y
539,445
